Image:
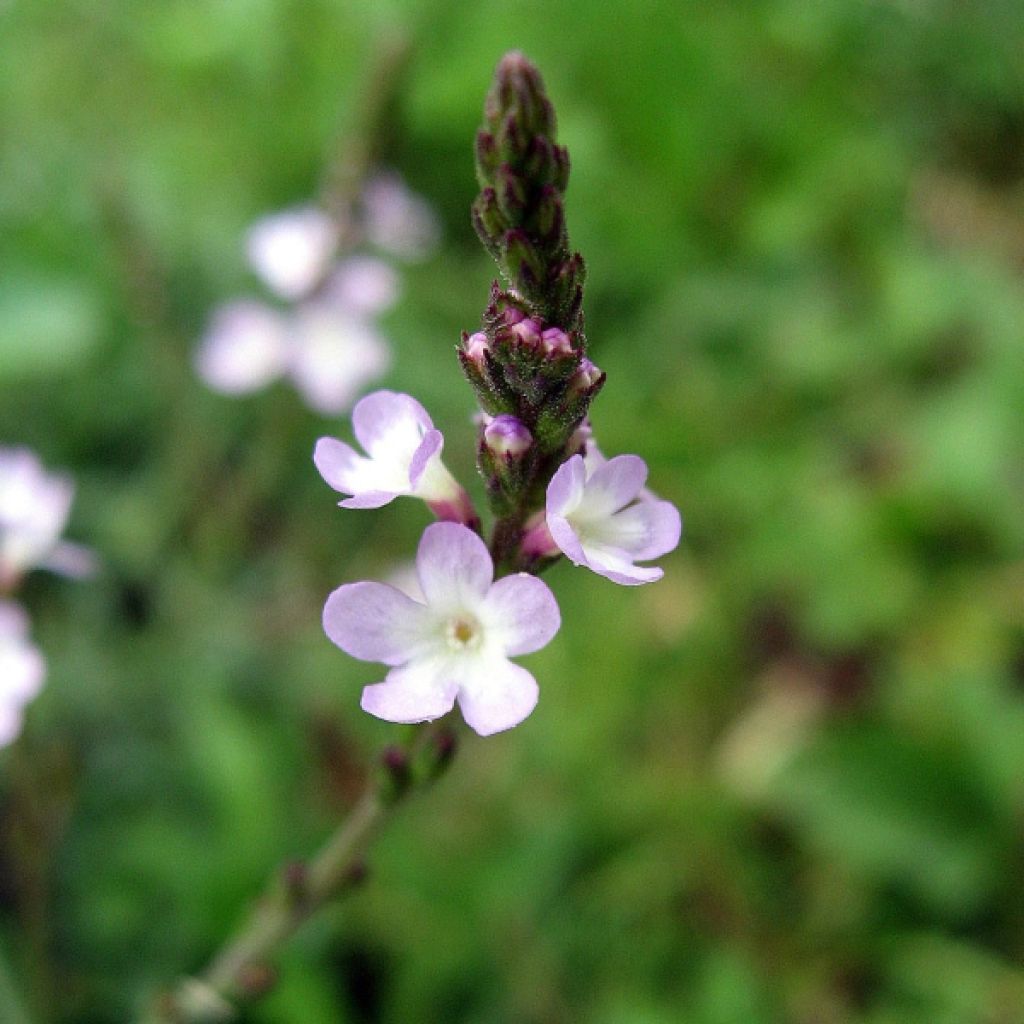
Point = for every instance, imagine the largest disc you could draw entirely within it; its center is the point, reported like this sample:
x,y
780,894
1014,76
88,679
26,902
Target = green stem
x,y
241,971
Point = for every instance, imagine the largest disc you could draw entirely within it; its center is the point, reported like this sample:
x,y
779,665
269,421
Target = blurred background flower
x,y
783,783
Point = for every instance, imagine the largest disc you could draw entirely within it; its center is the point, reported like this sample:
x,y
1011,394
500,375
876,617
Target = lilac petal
x,y
73,560
22,668
289,251
565,537
418,692
369,499
334,356
376,622
566,487
364,286
386,420
613,485
522,613
453,565
497,696
339,464
649,529
244,348
430,446
13,621
617,565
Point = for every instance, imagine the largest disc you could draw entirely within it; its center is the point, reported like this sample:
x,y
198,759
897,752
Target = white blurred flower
x,y
397,220
364,286
330,352
34,509
334,355
22,670
291,251
245,347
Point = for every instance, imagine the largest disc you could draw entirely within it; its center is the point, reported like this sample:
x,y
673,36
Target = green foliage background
x,y
786,783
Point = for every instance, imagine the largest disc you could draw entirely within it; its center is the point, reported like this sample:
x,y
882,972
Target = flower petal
x,y
390,425
334,356
340,465
429,449
418,692
565,537
454,566
611,486
617,565
648,529
244,349
566,487
377,622
291,250
364,286
521,613
496,695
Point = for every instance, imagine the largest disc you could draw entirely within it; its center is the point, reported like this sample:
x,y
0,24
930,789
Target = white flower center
x,y
463,632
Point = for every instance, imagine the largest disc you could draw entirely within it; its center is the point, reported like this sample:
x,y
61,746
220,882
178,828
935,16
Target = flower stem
x,y
242,971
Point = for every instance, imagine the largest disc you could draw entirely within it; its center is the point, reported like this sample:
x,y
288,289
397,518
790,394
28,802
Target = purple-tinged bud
x,y
508,436
396,775
556,343
476,347
587,377
513,315
528,331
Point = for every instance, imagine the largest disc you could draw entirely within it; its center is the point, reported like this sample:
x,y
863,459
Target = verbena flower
x,y
34,509
291,251
331,351
22,670
591,519
453,645
403,457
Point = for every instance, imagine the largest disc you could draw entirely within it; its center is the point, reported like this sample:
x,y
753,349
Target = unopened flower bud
x,y
476,347
506,435
556,342
586,377
528,331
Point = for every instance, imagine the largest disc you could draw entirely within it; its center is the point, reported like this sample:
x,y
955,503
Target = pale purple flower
x,y
591,519
397,220
330,352
245,347
34,509
291,251
453,645
22,670
403,457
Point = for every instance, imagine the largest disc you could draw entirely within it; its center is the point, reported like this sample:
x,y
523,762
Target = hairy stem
x,y
242,970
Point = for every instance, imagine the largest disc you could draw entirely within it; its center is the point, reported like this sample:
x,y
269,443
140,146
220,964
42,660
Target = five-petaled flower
x,y
403,457
591,519
22,670
456,644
